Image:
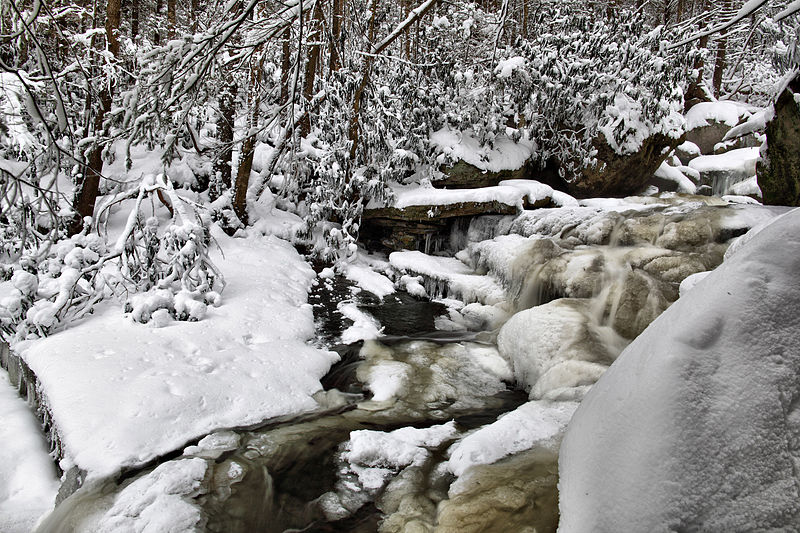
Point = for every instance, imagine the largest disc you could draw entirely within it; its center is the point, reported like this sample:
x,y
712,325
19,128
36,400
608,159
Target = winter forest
x,y
413,266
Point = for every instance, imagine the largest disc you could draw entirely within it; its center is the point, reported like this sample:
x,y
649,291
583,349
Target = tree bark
x,y
222,164
134,18
336,34
249,144
171,19
88,185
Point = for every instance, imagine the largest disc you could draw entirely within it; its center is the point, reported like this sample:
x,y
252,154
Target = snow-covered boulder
x,y
707,123
695,427
554,350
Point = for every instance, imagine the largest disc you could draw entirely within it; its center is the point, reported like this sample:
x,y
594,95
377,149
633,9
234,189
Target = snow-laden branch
x,y
412,17
750,7
790,10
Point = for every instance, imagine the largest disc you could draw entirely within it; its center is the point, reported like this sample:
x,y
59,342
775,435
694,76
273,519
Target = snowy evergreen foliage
x,y
581,77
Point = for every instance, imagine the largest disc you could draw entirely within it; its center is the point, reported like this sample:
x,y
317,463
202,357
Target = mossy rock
x,y
779,173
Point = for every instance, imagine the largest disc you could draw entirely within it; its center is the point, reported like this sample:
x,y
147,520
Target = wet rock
x,y
425,227
779,173
516,494
707,137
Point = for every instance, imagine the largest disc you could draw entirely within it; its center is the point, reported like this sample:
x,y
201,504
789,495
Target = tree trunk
x,y
311,67
156,34
134,18
171,19
222,164
286,64
249,144
88,185
719,63
336,34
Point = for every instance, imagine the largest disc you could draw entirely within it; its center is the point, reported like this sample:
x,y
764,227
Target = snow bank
x,y
505,154
122,393
28,482
531,424
695,426
726,112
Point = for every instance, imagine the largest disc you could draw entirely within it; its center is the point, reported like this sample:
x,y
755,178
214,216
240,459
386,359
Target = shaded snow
x,y
28,482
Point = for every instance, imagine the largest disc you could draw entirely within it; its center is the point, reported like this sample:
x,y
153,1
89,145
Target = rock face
x,y
622,175
462,175
423,228
696,426
779,175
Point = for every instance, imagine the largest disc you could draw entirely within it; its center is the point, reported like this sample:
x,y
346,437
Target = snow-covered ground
x,y
28,481
122,393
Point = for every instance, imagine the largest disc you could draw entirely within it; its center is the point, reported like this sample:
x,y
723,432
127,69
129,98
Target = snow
x,y
161,501
362,271
459,279
537,423
508,192
554,349
689,148
506,67
695,426
742,160
122,393
747,187
28,482
667,172
505,154
364,325
727,112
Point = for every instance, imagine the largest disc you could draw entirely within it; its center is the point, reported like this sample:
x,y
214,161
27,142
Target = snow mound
x,y
726,112
504,155
695,426
122,393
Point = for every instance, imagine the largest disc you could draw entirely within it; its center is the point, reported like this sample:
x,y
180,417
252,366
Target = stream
x,y
570,288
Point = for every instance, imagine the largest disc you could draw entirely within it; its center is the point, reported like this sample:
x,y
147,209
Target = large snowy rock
x,y
695,427
707,123
779,173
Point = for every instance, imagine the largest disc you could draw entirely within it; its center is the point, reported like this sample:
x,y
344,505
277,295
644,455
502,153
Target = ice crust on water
x,y
693,427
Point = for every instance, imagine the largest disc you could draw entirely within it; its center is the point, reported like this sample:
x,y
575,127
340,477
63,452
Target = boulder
x,y
779,172
621,175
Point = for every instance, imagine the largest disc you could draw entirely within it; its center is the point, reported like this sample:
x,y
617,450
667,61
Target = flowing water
x,y
376,456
